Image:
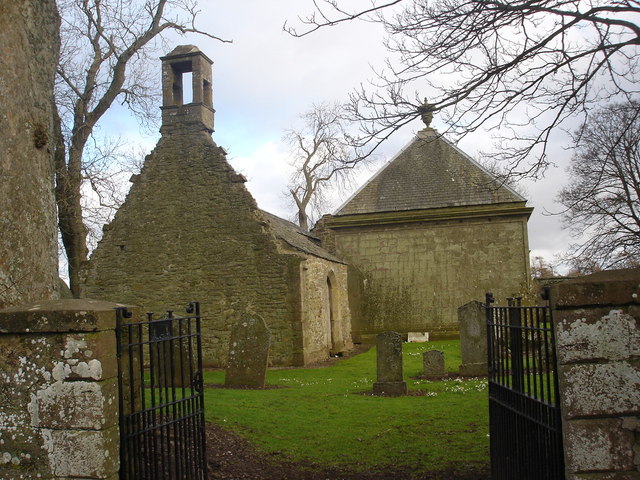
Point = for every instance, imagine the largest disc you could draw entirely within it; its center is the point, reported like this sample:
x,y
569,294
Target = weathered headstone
x,y
389,362
473,339
248,352
433,363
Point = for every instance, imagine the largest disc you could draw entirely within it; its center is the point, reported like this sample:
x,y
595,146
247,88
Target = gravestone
x,y
248,352
389,362
433,363
418,337
473,339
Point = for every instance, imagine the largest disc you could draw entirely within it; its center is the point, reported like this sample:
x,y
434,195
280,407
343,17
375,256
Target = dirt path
x,y
230,457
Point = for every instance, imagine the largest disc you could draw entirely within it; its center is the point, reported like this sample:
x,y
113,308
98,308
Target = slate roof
x,y
430,172
294,236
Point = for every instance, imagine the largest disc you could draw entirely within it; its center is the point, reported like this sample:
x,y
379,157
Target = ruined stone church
x,y
429,232
189,230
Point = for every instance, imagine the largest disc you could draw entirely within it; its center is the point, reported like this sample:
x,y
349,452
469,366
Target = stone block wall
x,y
597,322
59,391
189,230
415,275
29,42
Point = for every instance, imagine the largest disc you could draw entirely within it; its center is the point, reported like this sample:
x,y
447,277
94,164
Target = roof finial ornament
x,y
426,112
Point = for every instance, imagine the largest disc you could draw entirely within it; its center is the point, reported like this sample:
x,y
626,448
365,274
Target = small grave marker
x,y
389,362
248,353
433,363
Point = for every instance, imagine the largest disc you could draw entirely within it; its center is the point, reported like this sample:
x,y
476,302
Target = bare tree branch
x,y
602,200
521,69
322,154
313,25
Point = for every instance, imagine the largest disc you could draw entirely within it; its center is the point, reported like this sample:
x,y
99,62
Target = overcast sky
x,y
266,78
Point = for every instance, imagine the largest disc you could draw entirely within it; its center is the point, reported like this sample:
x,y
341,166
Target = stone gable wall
x,y
415,275
29,44
189,230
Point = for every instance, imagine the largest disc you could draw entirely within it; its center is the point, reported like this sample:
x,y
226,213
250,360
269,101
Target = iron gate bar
x,y
524,406
515,330
161,397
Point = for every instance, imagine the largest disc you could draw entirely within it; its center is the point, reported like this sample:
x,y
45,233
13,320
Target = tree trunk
x,y
72,228
302,219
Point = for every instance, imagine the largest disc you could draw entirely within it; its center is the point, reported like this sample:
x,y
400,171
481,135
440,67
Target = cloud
x,y
266,78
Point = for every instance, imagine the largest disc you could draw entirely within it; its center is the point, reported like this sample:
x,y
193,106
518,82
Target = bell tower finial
x,y
175,113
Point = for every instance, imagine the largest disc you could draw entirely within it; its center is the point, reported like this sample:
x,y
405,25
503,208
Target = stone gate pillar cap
x,y
69,315
606,288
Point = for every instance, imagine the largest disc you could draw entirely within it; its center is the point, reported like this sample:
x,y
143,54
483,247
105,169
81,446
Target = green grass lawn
x,y
327,416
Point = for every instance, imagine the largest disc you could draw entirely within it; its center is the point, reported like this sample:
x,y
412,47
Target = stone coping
x,y
606,288
429,215
68,315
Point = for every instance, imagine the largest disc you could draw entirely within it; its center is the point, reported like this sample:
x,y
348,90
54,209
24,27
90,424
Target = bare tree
x,y
522,68
106,45
602,199
108,165
541,268
322,154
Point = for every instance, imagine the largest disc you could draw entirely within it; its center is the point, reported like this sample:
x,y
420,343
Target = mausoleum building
x,y
429,232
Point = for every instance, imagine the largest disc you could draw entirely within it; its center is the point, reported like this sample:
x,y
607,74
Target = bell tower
x,y
198,114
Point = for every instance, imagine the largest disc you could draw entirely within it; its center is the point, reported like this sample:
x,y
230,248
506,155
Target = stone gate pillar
x,y
597,323
59,391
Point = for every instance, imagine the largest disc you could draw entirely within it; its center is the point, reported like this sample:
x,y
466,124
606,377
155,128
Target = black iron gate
x,y
524,403
162,433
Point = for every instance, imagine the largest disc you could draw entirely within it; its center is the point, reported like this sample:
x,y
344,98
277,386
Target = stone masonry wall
x,y
416,275
597,321
190,230
29,44
59,391
321,308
